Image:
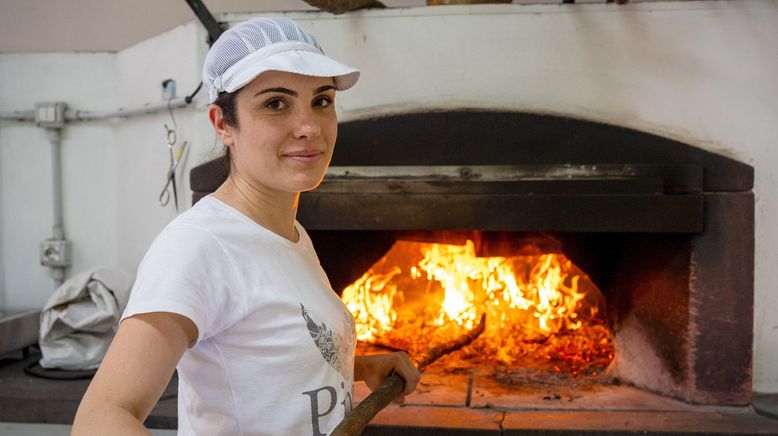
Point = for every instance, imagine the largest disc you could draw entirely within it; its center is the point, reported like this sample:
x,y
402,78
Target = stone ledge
x,y
608,423
425,420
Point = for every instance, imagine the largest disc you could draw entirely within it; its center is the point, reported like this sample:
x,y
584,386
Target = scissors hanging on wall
x,y
176,152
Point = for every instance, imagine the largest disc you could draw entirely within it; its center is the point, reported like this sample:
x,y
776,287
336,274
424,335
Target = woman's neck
x,y
275,211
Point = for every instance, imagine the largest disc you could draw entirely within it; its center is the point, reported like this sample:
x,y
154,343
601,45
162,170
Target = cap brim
x,y
302,62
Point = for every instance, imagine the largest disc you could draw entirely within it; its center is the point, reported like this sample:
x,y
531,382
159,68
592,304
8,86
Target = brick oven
x,y
663,229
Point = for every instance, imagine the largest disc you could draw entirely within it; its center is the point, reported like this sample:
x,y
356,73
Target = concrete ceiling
x,y
112,25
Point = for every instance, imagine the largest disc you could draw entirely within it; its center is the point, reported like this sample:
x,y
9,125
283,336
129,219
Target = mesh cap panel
x,y
263,38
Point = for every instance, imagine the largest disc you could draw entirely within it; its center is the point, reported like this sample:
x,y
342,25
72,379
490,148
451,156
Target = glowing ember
x,y
419,294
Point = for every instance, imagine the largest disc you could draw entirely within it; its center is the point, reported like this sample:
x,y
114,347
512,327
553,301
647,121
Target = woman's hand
x,y
374,369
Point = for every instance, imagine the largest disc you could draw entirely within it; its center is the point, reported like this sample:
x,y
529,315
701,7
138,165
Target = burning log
x,y
355,422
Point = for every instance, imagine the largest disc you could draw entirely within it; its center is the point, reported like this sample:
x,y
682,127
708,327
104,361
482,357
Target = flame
x,y
370,300
418,286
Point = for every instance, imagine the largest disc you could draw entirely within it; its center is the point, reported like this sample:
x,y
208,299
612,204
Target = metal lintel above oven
x,y
581,198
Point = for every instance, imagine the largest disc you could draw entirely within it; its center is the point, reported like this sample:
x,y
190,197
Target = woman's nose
x,y
307,125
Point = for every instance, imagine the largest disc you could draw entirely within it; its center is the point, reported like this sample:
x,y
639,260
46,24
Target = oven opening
x,y
545,318
573,320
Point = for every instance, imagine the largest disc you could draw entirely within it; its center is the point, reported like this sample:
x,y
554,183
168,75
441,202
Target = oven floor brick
x,y
433,390
470,404
487,393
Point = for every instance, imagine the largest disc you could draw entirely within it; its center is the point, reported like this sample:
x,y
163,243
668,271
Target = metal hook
x,y
171,136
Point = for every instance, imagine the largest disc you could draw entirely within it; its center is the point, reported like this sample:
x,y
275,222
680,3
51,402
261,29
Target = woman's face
x,y
285,133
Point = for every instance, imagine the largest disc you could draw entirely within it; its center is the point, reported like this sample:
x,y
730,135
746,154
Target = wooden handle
x,y
357,420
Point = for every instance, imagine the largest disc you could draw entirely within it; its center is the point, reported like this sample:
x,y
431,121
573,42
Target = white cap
x,y
250,48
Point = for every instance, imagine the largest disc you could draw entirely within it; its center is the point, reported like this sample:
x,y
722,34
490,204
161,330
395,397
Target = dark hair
x,y
227,102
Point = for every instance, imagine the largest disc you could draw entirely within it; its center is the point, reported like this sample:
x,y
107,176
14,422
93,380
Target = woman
x,y
231,292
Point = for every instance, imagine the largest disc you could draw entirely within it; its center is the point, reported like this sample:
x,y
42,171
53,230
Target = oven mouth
x,y
544,318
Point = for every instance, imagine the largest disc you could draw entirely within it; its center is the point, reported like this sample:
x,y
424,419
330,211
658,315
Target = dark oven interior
x,y
663,229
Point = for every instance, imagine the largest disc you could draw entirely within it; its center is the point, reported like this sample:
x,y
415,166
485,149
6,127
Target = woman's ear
x,y
223,130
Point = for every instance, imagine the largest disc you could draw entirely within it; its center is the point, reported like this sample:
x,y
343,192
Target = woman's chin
x,y
309,188
307,184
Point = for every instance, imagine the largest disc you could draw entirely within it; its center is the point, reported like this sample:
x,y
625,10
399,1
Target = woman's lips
x,y
304,156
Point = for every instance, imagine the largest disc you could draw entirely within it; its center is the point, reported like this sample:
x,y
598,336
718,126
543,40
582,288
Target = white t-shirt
x,y
275,348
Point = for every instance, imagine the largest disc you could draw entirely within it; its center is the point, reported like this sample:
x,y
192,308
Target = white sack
x,y
80,319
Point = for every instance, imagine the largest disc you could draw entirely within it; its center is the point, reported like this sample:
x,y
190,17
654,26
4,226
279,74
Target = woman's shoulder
x,y
208,218
190,246
196,232
203,213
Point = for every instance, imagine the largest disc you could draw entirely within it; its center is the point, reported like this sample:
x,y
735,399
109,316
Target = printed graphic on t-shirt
x,y
335,347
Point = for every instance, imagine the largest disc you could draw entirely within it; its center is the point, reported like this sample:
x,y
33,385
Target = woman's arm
x,y
135,371
374,369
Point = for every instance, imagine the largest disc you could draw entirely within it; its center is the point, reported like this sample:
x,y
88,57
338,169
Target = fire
x,y
419,293
370,301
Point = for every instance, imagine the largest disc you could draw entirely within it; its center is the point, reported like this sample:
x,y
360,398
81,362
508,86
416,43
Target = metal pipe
x,y
18,115
213,28
57,229
77,115
55,141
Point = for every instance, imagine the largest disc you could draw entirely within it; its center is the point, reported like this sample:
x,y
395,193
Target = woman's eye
x,y
275,104
322,101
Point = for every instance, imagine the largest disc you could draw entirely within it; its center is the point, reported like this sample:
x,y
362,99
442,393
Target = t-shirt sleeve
x,y
187,271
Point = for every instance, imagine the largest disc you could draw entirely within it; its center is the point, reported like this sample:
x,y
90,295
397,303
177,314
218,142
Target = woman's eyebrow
x,y
281,90
294,93
323,89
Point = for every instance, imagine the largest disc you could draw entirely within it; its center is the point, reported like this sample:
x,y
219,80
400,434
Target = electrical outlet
x,y
56,253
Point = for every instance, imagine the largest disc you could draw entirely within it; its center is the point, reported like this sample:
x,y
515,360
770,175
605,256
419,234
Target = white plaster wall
x,y
142,151
113,170
88,155
700,72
